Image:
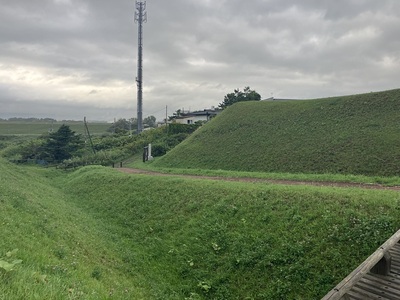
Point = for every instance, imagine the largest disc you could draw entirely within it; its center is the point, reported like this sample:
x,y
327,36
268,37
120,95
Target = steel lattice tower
x,y
140,18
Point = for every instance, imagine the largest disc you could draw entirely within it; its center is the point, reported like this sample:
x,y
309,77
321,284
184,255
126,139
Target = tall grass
x,y
65,253
199,239
96,233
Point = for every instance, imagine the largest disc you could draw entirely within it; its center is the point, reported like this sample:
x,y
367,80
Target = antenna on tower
x,y
140,18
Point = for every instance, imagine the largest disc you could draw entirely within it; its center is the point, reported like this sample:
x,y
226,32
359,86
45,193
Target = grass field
x,y
341,135
39,128
97,233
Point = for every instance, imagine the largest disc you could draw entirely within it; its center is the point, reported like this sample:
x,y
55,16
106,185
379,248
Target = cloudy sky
x,y
67,59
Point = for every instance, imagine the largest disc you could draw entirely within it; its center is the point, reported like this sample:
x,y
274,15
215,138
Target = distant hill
x,y
358,134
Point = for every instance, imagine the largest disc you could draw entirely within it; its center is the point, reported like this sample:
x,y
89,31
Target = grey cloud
x,y
194,51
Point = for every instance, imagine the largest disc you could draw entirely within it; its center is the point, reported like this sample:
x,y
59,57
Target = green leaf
x,y
6,266
11,253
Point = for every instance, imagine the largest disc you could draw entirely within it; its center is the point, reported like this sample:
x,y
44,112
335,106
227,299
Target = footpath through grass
x,y
200,239
100,234
136,162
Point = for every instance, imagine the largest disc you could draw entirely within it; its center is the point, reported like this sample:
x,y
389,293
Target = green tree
x,y
175,115
32,149
122,126
150,121
62,144
237,96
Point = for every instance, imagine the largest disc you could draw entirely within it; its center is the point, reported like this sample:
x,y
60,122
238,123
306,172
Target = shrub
x,y
158,149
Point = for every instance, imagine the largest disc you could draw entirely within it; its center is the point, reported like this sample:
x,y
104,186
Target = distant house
x,y
196,116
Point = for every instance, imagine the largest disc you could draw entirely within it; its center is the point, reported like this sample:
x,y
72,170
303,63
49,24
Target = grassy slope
x,y
97,233
201,239
66,253
349,135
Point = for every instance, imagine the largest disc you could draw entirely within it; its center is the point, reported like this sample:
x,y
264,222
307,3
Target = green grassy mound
x,y
200,239
99,234
349,135
64,251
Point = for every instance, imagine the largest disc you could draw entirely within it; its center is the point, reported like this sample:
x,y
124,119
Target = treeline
x,y
28,120
41,120
65,148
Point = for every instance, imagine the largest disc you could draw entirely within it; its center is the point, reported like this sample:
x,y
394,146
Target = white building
x,y
196,116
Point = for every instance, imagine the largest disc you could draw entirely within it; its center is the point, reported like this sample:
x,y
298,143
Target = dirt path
x,y
273,181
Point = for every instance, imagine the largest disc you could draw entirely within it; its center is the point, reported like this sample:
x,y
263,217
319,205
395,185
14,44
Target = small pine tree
x,y
62,144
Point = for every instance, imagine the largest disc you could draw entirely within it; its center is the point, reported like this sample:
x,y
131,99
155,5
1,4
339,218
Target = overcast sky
x,y
67,59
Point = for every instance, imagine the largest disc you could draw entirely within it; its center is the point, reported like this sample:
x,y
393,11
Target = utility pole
x,y
140,18
88,136
166,118
166,114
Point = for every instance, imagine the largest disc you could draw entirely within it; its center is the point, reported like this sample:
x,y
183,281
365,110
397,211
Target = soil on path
x,y
271,181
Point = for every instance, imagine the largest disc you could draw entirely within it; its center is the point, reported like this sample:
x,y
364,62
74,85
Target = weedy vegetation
x,y
65,148
96,233
61,250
